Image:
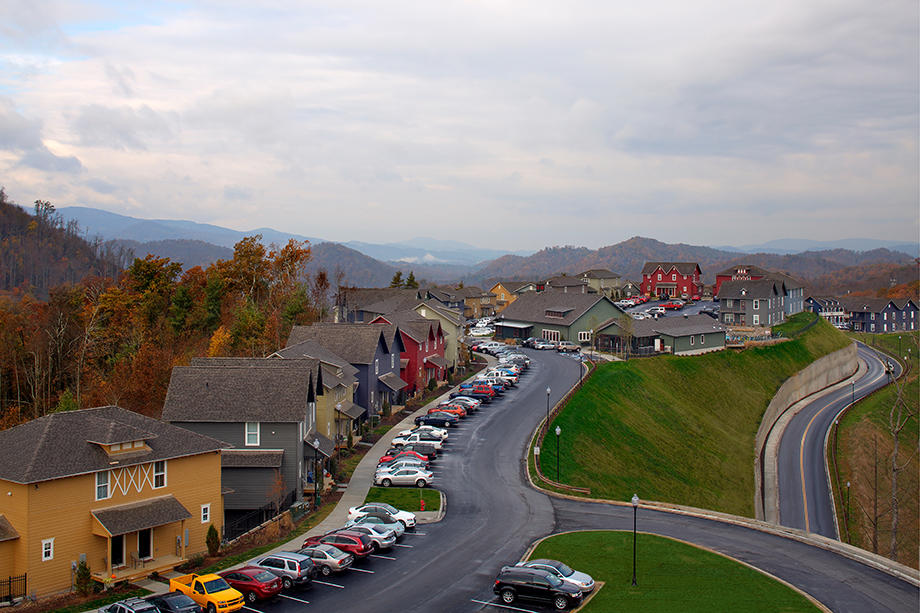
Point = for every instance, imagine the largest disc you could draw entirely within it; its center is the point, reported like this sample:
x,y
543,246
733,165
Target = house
x,y
451,325
880,314
793,290
603,281
829,308
507,291
555,316
125,493
364,304
751,303
671,279
263,409
567,284
372,349
630,289
423,358
472,301
687,335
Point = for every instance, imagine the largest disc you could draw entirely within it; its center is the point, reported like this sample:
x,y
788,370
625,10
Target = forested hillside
x,y
41,251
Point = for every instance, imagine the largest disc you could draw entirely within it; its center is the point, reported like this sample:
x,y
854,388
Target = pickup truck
x,y
209,591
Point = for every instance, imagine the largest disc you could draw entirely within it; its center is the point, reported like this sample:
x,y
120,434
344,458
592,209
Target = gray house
x,y
751,303
687,335
263,409
880,314
555,315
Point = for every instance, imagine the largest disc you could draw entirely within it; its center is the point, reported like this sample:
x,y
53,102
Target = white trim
x,y
246,434
47,549
206,513
155,474
108,485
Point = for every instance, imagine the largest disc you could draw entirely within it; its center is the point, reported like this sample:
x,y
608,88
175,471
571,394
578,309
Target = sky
x,y
504,124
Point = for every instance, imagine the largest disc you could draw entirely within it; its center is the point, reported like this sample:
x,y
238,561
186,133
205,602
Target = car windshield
x,y
215,585
264,576
565,570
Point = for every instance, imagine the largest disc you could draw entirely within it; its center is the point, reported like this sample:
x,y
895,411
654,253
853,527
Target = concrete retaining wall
x,y
817,376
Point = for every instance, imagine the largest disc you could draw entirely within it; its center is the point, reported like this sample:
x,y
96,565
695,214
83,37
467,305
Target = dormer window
x,y
556,314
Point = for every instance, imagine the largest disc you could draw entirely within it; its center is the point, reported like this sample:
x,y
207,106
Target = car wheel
x,y
211,608
287,583
507,596
420,483
326,570
561,603
251,597
386,483
375,547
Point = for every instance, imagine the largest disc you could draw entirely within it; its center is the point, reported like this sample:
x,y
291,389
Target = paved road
x,y
801,452
493,516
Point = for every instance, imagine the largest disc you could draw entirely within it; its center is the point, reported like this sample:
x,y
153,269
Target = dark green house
x,y
555,316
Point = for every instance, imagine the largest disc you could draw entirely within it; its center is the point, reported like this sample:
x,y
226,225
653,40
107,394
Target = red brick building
x,y
671,279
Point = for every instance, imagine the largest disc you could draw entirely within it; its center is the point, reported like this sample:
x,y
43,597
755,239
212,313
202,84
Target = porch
x,y
138,569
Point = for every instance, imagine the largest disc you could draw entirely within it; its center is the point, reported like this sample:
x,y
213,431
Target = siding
x,y
251,487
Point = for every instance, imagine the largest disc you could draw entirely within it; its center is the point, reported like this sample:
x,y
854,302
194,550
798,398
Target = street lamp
x,y
635,504
316,472
899,344
846,516
558,432
546,425
853,388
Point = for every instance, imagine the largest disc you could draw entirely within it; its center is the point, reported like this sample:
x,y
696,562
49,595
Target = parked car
x,y
582,581
515,582
429,452
449,408
292,568
543,344
131,605
402,463
381,538
441,433
404,476
173,602
418,437
382,520
441,420
358,545
528,342
567,347
253,582
208,590
407,518
656,310
403,453
470,404
328,558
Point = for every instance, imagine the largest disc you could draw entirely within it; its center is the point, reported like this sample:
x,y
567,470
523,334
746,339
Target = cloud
x,y
120,127
22,136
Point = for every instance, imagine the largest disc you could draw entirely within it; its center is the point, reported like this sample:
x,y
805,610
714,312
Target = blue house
x,y
880,314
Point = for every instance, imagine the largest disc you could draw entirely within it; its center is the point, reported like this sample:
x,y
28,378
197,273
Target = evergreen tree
x,y
410,281
397,279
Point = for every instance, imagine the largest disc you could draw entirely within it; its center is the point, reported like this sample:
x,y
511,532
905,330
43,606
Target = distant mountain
x,y
187,252
798,245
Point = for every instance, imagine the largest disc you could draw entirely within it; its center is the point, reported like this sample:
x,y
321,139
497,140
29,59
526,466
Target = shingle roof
x,y
565,281
532,307
392,381
684,268
326,446
672,326
251,458
57,445
391,304
312,349
237,394
762,288
7,531
750,268
360,297
134,516
413,324
857,304
512,286
349,408
599,273
451,315
356,343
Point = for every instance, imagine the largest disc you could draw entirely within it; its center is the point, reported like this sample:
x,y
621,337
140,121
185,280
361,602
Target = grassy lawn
x,y
406,498
679,429
671,576
862,428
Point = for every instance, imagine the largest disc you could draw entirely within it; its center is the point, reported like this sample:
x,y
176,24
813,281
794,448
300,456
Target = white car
x,y
404,476
502,376
465,401
656,310
418,437
406,517
482,331
441,432
541,344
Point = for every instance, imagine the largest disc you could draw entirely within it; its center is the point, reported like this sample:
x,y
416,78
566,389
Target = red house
x,y
739,272
671,279
423,359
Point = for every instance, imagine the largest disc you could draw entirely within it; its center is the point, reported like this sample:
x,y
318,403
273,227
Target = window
x,y
702,339
205,513
659,276
584,337
159,474
252,434
47,550
392,361
673,276
376,366
116,447
138,444
729,303
756,320
885,316
756,305
552,335
872,316
102,485
691,341
729,318
872,327
426,346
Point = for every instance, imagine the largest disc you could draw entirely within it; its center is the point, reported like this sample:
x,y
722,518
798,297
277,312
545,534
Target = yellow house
x,y
507,292
125,493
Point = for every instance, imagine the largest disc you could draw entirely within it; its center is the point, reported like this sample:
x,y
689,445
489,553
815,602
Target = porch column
x,y
108,556
182,537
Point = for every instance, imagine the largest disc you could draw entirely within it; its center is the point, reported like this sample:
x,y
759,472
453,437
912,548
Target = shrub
x,y
432,384
212,540
84,579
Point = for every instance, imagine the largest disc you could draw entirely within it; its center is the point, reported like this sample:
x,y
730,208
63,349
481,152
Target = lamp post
x,y
853,388
558,433
546,425
635,504
316,472
899,344
846,516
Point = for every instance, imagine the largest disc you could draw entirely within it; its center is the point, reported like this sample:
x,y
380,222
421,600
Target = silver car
x,y
571,576
379,521
328,559
403,476
381,538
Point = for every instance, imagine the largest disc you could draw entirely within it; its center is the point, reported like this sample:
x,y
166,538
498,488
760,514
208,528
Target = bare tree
x,y
899,416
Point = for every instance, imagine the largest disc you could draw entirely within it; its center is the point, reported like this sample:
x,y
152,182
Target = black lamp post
x,y
316,472
558,433
846,517
899,344
546,425
635,504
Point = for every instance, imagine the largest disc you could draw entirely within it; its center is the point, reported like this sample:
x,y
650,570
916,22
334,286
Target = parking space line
x,y
251,609
292,598
407,546
341,587
415,533
502,606
361,570
374,555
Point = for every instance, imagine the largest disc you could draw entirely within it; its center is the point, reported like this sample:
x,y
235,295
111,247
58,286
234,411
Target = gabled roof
x,y
417,327
672,326
684,268
749,269
748,290
331,362
599,273
361,297
58,445
275,393
864,304
7,531
511,286
532,307
141,515
392,303
452,315
565,281
356,343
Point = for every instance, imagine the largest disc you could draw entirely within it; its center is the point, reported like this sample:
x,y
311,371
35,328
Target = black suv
x,y
515,582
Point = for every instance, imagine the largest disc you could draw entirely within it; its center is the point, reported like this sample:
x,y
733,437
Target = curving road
x,y
804,494
493,515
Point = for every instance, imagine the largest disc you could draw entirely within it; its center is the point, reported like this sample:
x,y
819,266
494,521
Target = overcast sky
x,y
516,124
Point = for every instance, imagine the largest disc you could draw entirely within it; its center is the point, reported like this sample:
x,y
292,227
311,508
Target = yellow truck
x,y
210,591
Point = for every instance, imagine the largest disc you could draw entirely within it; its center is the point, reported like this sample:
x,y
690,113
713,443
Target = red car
x,y
695,298
406,453
355,543
253,583
453,409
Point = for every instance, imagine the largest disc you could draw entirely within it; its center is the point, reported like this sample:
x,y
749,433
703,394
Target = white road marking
x,y
416,533
251,609
502,606
373,555
361,570
292,598
341,587
406,546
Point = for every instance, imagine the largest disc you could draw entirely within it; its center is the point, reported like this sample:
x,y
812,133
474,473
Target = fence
x,y
13,588
256,518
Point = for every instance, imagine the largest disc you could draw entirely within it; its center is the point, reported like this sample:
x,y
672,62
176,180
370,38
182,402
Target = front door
x,y
118,551
145,544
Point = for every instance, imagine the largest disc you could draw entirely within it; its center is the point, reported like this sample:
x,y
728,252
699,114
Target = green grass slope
x,y
679,429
